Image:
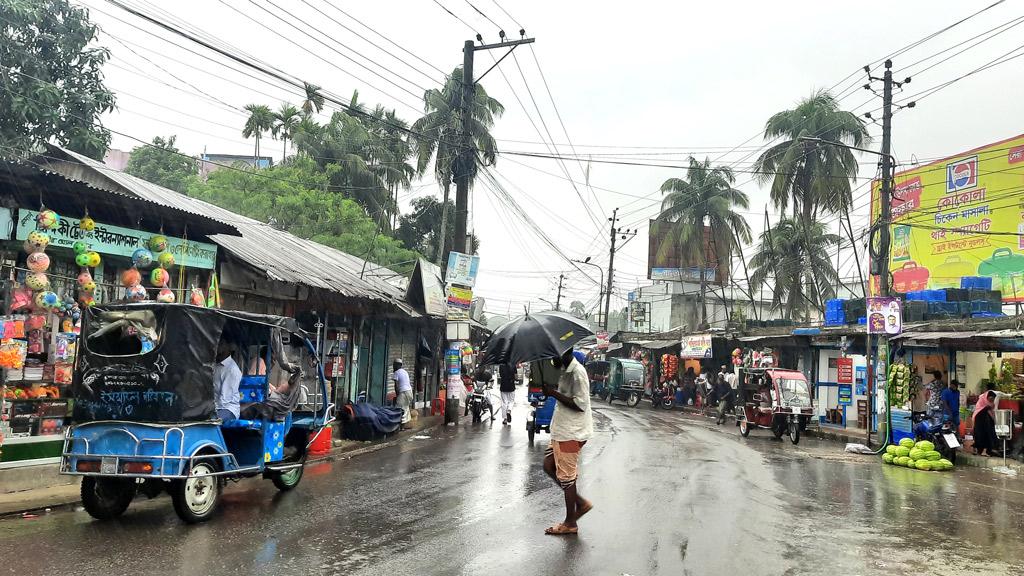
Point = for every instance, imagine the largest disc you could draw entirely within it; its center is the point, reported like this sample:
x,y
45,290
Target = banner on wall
x,y
844,370
459,302
885,315
108,239
462,269
697,346
960,216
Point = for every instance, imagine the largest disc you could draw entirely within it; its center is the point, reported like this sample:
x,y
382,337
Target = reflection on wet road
x,y
672,497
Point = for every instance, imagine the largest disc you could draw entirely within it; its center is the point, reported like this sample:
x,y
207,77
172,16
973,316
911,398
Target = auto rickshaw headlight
x,y
137,468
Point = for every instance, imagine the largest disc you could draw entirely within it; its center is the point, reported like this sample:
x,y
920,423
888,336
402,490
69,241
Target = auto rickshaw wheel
x,y
285,481
794,432
633,399
744,427
195,498
106,498
778,430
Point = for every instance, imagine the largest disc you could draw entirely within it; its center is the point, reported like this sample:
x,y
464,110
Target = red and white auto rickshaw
x,y
781,401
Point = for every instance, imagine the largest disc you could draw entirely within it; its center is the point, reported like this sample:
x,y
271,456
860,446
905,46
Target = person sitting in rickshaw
x,y
226,379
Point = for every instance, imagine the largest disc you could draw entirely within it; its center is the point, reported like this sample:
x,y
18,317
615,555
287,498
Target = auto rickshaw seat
x,y
240,424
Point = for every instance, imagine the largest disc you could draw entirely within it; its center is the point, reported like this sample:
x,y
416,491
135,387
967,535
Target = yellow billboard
x,y
960,216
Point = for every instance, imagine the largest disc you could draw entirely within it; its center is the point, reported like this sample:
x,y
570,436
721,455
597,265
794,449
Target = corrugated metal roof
x,y
281,255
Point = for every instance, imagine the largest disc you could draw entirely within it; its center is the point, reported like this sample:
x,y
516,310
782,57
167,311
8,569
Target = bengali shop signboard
x,y
696,346
960,216
844,368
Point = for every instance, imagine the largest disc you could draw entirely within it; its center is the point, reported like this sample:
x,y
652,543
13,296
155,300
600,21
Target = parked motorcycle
x,y
938,431
479,401
663,397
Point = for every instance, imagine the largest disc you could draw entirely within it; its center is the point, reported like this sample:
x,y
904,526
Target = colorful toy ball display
x,y
94,259
80,247
84,277
37,281
38,240
47,301
87,224
38,262
166,295
159,277
137,293
131,277
89,286
158,243
82,259
86,299
166,260
47,219
142,258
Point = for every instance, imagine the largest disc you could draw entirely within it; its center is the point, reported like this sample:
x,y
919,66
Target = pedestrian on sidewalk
x,y
507,388
724,393
950,398
403,391
933,394
688,383
571,427
985,439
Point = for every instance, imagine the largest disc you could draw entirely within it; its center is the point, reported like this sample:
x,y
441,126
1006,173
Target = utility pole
x,y
885,210
558,299
613,234
467,158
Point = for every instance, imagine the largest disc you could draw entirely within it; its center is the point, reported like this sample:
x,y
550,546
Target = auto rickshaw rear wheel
x,y
633,399
744,427
195,498
288,479
106,498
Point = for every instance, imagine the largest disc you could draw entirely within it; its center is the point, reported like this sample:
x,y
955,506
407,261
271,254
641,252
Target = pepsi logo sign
x,y
962,174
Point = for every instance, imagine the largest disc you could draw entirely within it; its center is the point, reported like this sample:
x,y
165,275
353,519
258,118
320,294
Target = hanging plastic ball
x,y
166,295
142,258
38,240
84,277
159,277
47,219
47,300
86,299
166,260
94,259
137,293
87,224
38,262
80,247
82,260
131,277
37,281
158,243
89,286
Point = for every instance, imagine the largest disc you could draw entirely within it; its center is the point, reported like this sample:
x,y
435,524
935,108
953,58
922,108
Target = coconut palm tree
x,y
261,119
809,176
286,121
793,259
314,101
578,309
701,209
440,134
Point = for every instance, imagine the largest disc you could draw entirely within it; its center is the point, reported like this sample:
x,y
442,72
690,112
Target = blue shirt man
x,y
950,398
226,378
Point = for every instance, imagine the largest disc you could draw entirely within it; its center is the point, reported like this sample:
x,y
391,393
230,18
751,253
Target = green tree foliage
x,y
793,259
418,230
811,176
578,309
286,122
261,120
163,164
442,129
706,197
51,84
297,198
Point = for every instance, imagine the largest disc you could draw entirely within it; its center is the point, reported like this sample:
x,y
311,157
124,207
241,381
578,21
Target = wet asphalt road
x,y
672,497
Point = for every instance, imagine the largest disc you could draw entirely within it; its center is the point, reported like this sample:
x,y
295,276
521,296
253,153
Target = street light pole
x,y
601,293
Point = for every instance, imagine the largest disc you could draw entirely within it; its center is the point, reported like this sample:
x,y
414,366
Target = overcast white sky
x,y
679,77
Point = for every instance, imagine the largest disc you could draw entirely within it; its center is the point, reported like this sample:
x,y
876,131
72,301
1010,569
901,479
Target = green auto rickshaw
x,y
625,381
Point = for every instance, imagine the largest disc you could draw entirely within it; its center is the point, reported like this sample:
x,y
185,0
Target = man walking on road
x,y
724,394
571,427
507,387
403,391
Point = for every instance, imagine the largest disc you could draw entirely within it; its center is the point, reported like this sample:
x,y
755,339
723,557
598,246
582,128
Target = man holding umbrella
x,y
571,427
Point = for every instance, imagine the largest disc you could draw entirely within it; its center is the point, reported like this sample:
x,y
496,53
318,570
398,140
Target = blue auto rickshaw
x,y
145,420
543,407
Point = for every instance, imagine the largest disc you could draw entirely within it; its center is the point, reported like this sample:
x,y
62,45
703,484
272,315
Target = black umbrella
x,y
533,337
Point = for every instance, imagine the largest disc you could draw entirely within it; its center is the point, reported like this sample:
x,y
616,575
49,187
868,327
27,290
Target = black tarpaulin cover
x,y
173,382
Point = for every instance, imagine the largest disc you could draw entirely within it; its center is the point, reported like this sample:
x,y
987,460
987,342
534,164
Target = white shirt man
x,y
226,378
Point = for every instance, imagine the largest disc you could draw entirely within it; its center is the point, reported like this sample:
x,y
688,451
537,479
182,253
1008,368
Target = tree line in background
x,y
808,178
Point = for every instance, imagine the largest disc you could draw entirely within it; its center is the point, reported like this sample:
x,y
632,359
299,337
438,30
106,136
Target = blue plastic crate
x,y
987,315
947,308
935,295
862,320
834,304
916,295
980,282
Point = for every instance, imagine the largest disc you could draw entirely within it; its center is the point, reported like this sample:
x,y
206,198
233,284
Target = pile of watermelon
x,y
920,455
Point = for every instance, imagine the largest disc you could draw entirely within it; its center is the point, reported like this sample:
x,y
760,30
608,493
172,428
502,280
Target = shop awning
x,y
613,347
926,336
657,344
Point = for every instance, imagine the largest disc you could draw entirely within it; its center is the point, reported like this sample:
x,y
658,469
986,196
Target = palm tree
x,y
440,135
261,119
793,259
314,101
811,175
700,208
578,309
286,121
